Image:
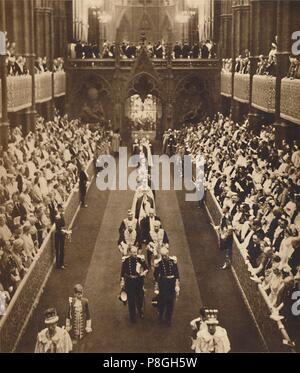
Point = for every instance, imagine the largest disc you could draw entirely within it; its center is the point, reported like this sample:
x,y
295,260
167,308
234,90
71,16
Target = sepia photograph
x,y
150,179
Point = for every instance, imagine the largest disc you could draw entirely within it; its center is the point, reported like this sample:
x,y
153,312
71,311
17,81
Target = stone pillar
x,y
4,117
284,50
60,29
21,31
225,40
241,20
263,25
254,116
44,32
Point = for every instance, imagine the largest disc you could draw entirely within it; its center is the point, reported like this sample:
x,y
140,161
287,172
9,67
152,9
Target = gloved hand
x,y
88,328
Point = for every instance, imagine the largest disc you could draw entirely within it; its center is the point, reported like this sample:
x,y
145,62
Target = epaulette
x,y
156,262
174,258
142,257
124,258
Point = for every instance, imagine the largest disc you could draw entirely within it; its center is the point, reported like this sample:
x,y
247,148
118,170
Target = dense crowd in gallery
x,y
150,176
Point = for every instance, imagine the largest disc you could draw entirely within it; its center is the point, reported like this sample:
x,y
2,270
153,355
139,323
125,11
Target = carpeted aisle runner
x,y
95,261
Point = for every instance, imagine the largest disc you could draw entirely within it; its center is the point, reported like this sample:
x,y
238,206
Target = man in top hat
x,y
156,240
167,284
53,339
133,271
129,220
79,320
212,339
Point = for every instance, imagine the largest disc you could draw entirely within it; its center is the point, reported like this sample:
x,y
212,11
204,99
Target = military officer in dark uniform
x,y
167,285
133,272
83,183
60,235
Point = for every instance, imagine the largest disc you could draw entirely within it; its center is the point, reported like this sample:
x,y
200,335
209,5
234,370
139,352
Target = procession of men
x,y
144,245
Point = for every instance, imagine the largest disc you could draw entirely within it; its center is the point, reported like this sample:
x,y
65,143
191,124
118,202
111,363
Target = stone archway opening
x,y
143,115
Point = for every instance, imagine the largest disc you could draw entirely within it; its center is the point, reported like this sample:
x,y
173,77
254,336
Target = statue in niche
x,y
194,102
92,109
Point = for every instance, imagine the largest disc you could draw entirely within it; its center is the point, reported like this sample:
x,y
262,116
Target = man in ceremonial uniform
x,y
53,339
78,322
167,285
129,220
133,272
128,239
83,183
156,240
60,236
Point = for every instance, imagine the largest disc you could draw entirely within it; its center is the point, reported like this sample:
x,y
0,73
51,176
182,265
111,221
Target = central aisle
x,y
94,260
112,330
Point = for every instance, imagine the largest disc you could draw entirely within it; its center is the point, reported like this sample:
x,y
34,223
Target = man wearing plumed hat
x,y
53,339
79,321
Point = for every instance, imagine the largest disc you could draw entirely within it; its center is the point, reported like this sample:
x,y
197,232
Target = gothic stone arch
x,y
91,98
191,99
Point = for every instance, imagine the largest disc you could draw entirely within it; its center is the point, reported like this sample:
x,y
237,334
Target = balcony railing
x,y
59,84
129,63
226,84
43,87
242,88
19,90
290,99
263,93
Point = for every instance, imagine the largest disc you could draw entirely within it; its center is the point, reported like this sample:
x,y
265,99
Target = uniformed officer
x,y
133,272
60,236
167,284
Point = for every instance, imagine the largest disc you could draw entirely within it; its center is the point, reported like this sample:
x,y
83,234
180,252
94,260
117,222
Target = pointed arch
x,y
124,28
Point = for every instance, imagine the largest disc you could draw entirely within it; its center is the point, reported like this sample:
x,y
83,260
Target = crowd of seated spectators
x,y
38,173
242,63
227,65
294,70
17,65
205,49
257,185
265,65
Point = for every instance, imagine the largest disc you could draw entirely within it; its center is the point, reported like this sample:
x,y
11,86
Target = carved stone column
x,y
263,15
241,20
284,50
4,119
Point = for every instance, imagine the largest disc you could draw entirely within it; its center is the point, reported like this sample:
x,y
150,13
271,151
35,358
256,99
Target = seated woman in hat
x,y
53,339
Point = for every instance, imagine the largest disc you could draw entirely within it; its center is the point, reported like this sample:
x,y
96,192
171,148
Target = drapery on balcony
x,y
242,87
59,84
226,84
263,93
290,98
19,93
43,87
